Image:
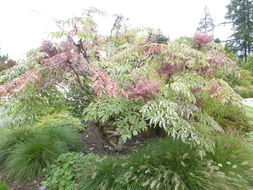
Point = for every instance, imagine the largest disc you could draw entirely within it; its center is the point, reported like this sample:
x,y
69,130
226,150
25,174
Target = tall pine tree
x,y
240,15
206,23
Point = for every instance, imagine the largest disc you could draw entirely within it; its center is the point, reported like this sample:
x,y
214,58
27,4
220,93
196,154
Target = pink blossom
x,y
102,83
201,40
168,69
142,90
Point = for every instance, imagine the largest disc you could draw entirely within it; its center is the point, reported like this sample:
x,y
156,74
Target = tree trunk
x,y
245,53
110,138
249,48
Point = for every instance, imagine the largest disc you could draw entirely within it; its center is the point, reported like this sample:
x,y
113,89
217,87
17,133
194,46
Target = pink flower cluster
x,y
168,69
155,49
214,91
103,83
217,59
201,40
19,83
142,90
48,48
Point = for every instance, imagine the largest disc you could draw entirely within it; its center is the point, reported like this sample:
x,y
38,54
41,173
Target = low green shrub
x,y
245,78
229,116
61,119
249,64
244,91
62,175
26,156
3,186
32,104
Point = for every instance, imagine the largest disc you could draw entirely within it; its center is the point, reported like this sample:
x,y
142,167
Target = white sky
x,y
25,23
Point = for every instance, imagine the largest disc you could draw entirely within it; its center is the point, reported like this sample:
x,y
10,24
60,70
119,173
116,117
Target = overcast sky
x,y
25,23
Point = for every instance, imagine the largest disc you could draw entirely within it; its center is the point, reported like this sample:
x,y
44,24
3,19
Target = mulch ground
x,y
91,143
33,185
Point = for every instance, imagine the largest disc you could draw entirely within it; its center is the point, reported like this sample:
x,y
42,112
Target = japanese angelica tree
x,y
128,83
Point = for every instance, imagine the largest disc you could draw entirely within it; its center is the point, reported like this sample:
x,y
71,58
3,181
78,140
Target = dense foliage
x,y
61,120
63,174
3,186
133,82
127,83
43,103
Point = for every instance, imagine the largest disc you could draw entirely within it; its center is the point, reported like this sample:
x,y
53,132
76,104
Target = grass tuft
x,y
173,165
26,152
29,159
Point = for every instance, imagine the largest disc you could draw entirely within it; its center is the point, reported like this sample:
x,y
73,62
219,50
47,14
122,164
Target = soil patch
x,y
33,185
92,143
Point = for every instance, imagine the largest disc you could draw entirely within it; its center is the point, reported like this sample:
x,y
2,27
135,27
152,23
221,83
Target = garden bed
x,y
91,143
34,185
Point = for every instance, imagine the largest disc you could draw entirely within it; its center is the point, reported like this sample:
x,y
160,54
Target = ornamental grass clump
x,y
173,165
227,115
27,160
67,135
234,156
169,164
101,173
163,164
25,157
11,139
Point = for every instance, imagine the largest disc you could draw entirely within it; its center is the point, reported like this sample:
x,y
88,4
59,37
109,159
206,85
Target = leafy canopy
x,y
127,82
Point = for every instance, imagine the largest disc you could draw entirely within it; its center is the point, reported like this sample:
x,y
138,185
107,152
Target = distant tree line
x,y
240,15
